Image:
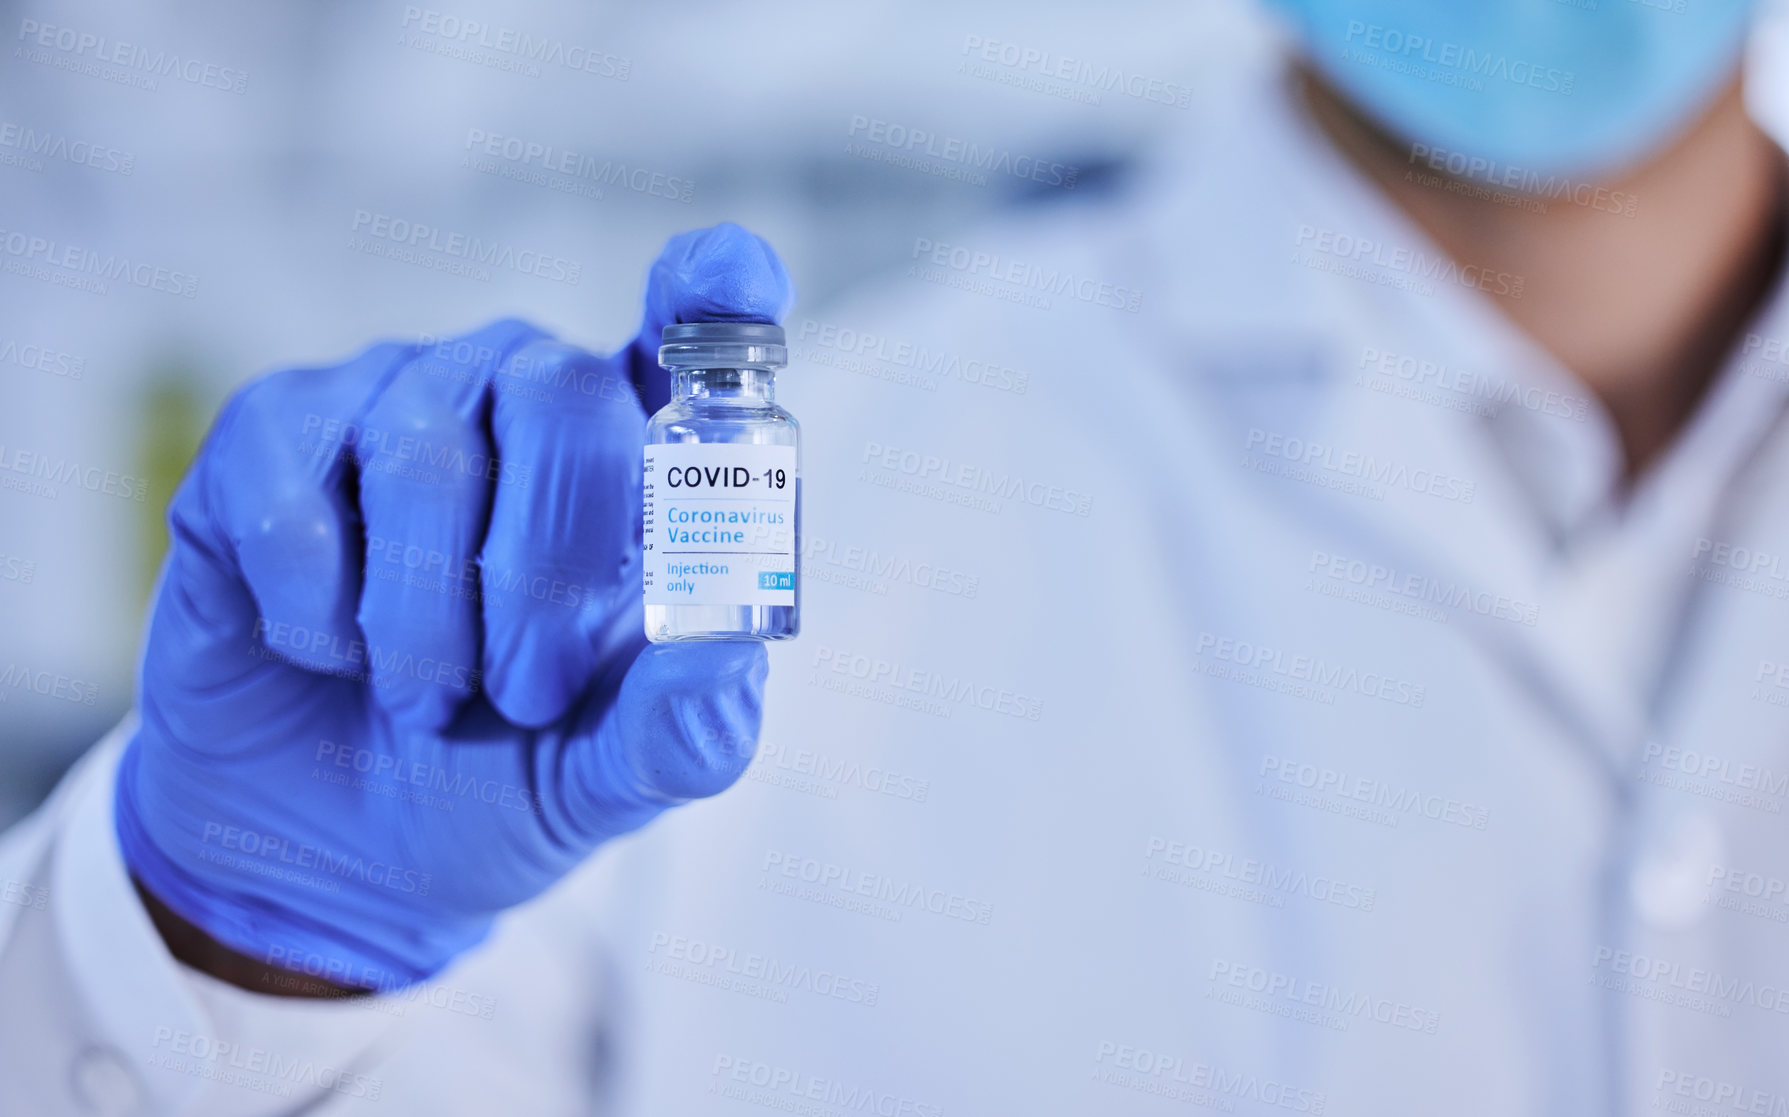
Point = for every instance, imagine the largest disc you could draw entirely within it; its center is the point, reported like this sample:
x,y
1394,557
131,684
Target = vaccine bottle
x,y
722,510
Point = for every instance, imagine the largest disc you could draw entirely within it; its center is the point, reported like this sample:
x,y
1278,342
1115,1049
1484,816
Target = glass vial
x,y
722,539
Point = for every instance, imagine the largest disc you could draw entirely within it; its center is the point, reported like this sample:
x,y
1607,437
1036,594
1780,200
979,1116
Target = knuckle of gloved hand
x,y
552,374
295,555
422,702
300,528
285,423
467,358
425,441
524,700
271,414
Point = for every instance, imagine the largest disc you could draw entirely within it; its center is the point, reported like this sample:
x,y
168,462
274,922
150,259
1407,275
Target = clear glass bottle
x,y
722,541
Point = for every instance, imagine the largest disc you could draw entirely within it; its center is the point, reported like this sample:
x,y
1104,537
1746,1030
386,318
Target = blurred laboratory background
x,y
242,158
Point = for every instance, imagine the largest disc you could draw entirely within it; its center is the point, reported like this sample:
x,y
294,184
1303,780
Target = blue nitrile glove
x,y
396,679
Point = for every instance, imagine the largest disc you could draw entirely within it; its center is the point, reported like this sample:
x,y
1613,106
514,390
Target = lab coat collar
x,y
1267,286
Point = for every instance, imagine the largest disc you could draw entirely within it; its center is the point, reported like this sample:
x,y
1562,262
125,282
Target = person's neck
x,y
1643,307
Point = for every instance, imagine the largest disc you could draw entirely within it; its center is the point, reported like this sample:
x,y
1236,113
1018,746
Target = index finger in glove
x,y
720,274
426,472
562,557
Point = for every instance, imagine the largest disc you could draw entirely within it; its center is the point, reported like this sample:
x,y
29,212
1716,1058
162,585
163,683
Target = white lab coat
x,y
1126,761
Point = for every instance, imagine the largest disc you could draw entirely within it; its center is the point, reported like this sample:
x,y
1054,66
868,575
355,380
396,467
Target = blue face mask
x,y
1551,86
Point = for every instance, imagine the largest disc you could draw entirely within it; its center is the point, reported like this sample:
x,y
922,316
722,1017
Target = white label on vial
x,y
720,524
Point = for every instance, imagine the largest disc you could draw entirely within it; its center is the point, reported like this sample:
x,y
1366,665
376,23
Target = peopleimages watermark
x,y
24,894
1300,675
1712,776
1196,1081
961,482
85,269
42,358
1771,683
1445,62
1679,1089
425,245
560,168
26,147
1395,801
38,474
1353,472
505,48
1252,878
401,454
952,157
1527,185
20,678
1460,389
1294,997
257,1069
396,992
1747,892
13,568
1670,982
524,375
1740,567
850,888
1399,267
355,660
279,857
1771,351
752,973
793,1090
1013,280
1059,75
408,774
1422,589
954,691
425,568
865,568
815,773
898,360
82,52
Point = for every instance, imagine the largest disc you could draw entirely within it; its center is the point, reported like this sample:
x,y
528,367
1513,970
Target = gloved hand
x,y
396,678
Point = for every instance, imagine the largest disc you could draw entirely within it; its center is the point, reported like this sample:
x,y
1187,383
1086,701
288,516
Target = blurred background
x,y
191,195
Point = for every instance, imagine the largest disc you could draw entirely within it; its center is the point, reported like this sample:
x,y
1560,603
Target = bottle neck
x,y
724,385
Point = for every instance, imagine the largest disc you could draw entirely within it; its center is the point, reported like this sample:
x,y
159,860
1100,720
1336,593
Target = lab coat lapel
x,y
1286,342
